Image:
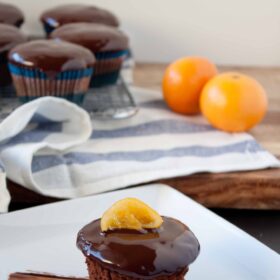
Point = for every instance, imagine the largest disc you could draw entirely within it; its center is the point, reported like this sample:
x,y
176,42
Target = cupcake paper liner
x,y
48,28
3,57
104,79
5,76
33,83
19,23
107,67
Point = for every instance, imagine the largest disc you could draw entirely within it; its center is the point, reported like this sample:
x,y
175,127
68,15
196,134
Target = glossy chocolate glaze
x,y
143,254
94,36
10,14
10,36
65,14
51,56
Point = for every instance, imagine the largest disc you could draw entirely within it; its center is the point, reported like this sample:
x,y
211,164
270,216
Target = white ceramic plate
x,y
43,238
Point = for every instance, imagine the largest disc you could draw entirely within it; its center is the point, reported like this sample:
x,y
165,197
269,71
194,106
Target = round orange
x,y
183,81
233,102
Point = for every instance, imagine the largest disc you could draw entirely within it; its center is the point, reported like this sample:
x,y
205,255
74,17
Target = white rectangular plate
x,y
43,238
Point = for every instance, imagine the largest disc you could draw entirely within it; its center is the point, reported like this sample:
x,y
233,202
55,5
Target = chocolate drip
x,y
65,14
10,36
94,36
51,56
10,14
143,254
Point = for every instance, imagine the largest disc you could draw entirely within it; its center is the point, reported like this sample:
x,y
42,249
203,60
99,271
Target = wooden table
x,y
250,190
256,189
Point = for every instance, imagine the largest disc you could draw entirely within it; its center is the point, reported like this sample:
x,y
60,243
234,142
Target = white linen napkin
x,y
48,146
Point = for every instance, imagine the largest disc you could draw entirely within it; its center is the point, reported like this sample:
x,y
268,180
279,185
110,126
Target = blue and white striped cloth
x,y
53,147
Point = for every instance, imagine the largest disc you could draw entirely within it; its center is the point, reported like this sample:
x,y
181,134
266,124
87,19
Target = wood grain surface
x,y
268,132
250,190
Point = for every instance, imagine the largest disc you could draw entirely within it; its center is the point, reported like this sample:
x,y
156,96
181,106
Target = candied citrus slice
x,y
130,213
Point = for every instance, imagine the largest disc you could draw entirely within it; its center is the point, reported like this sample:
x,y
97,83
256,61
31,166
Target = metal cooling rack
x,y
111,102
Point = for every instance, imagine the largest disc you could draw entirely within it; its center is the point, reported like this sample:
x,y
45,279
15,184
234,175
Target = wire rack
x,y
111,102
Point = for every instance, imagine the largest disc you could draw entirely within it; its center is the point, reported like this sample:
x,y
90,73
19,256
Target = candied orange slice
x,y
130,213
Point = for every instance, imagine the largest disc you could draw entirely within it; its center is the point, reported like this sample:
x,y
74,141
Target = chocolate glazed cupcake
x,y
64,14
108,44
162,253
10,14
51,68
10,37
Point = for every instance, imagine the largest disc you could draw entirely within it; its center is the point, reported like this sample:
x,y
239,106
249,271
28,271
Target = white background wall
x,y
236,32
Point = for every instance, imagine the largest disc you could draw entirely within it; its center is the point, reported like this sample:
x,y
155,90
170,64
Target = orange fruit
x,y
233,102
183,81
130,213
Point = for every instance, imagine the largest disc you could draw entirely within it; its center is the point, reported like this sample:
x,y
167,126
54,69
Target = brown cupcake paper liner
x,y
104,66
34,87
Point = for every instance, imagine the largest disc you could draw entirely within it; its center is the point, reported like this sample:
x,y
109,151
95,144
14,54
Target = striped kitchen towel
x,y
52,146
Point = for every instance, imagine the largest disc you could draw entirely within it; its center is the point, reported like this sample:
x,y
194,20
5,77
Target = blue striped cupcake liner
x,y
34,83
3,57
112,54
107,67
104,79
48,28
5,76
19,23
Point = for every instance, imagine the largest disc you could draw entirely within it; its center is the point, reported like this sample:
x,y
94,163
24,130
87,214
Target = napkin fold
x,y
51,146
46,124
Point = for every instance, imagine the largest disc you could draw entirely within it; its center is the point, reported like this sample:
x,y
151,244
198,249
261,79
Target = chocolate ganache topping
x,y
65,14
10,14
51,56
144,254
10,36
94,36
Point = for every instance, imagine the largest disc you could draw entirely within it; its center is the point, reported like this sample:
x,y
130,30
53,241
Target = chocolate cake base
x,y
97,272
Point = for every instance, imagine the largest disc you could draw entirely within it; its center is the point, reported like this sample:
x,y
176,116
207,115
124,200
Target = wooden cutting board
x,y
250,190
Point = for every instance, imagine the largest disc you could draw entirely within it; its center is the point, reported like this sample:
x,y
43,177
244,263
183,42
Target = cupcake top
x,y
65,14
10,36
160,246
51,56
10,14
94,36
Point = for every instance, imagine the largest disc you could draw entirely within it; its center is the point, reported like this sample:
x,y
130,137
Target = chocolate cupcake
x,y
132,241
64,14
51,68
10,14
10,37
109,45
